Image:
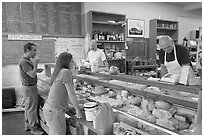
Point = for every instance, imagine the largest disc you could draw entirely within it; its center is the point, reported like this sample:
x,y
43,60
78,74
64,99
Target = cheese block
x,y
161,114
135,100
162,104
165,123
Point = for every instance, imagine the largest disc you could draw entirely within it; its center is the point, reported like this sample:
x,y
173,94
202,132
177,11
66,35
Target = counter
x,y
103,78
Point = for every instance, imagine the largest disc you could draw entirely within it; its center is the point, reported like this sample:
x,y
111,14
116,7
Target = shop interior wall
x,y
147,11
135,10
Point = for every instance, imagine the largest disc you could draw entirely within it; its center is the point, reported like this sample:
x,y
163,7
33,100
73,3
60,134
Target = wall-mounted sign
x,y
135,28
24,37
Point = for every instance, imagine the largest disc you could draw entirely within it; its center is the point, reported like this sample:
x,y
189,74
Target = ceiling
x,y
189,6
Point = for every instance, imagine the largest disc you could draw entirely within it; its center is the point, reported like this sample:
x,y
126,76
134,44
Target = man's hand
x,y
36,60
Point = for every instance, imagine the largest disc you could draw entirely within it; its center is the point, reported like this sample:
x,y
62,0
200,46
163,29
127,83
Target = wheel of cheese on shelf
x,y
99,89
151,118
114,70
162,104
135,100
161,114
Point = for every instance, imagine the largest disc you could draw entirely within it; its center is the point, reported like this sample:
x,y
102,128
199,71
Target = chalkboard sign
x,y
12,51
50,18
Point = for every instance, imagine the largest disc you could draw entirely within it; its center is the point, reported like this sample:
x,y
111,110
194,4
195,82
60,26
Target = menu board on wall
x,y
53,18
50,18
12,51
4,19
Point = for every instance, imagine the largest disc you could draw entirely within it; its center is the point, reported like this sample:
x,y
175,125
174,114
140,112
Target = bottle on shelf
x,y
114,38
108,36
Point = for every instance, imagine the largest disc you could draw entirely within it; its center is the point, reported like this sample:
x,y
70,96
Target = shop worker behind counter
x,y
60,94
28,73
172,57
97,55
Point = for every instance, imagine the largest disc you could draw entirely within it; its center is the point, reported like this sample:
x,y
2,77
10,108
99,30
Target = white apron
x,y
173,67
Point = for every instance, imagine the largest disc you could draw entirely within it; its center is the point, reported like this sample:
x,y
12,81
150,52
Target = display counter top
x,y
103,80
142,80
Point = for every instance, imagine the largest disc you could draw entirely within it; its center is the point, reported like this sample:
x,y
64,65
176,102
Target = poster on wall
x,y
135,28
75,46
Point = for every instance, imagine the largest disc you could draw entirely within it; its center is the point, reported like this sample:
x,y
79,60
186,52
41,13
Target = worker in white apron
x,y
175,63
173,67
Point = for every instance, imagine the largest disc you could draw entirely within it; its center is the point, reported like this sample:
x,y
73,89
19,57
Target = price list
x,y
13,11
27,11
41,17
4,19
53,18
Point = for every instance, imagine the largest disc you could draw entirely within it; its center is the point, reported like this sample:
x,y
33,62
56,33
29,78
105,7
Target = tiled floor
x,y
13,123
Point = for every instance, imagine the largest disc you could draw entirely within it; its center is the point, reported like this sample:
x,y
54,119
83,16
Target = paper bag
x,y
184,75
104,120
174,78
188,77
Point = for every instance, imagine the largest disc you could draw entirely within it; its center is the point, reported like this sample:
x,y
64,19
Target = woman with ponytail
x,y
61,92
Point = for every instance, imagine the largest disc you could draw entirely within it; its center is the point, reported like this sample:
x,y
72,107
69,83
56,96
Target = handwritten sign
x,y
75,46
61,45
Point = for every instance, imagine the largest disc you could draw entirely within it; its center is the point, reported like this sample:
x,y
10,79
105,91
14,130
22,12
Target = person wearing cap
x,y
172,57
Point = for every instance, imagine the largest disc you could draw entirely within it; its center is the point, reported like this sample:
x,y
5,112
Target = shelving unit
x,y
159,27
109,31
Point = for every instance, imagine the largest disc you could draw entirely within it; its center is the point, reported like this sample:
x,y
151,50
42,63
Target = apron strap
x,y
175,55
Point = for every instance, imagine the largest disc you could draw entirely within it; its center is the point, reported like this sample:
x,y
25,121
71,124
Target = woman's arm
x,y
68,82
73,98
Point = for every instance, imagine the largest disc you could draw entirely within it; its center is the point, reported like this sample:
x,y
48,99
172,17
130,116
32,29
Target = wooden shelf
x,y
111,24
114,59
160,28
106,23
105,41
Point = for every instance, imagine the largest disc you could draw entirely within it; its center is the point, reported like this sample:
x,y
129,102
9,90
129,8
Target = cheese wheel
x,y
162,105
135,100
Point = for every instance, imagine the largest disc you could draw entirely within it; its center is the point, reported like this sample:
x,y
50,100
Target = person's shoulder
x,y
161,51
90,52
23,61
179,46
99,50
66,71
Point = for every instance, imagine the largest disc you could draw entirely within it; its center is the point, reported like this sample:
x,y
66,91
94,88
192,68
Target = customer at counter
x,y
61,91
28,73
96,55
172,57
